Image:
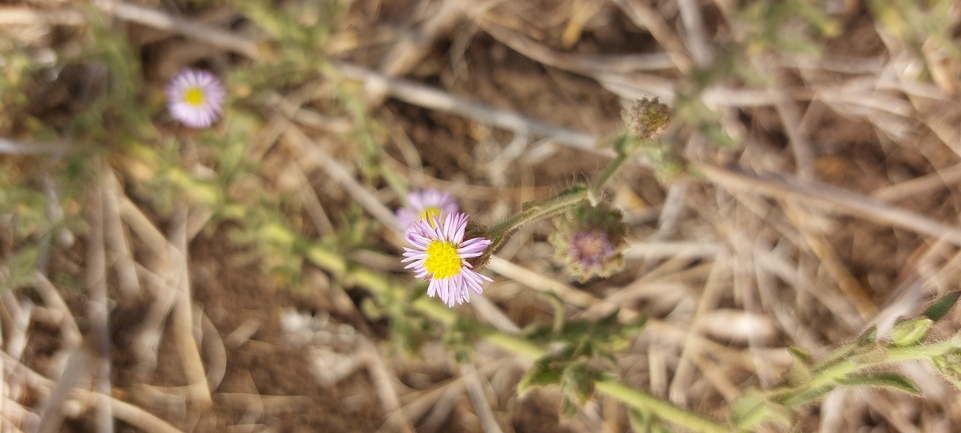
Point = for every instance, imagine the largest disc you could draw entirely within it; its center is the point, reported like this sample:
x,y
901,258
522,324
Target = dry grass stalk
x,y
116,237
97,307
182,314
647,18
833,199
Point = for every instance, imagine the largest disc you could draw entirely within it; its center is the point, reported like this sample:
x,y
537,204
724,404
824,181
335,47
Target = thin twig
x,y
693,20
920,186
117,239
708,301
97,307
384,379
22,148
19,16
315,155
183,325
80,364
832,199
428,97
50,295
477,396
587,64
648,18
157,19
122,410
803,154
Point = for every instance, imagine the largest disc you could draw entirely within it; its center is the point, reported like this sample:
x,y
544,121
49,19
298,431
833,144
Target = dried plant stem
x,y
428,97
832,199
73,373
183,315
97,306
157,19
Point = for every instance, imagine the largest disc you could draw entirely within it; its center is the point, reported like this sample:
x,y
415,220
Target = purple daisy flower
x,y
425,203
439,256
195,98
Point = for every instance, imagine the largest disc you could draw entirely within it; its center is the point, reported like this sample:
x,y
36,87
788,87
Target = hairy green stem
x,y
555,204
829,376
663,409
538,210
604,176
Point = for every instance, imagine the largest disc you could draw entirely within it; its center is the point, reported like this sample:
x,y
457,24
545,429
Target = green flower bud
x,y
911,332
589,241
647,118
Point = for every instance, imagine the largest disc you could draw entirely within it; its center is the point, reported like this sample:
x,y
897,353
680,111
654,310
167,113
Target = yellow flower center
x,y
442,261
194,96
430,213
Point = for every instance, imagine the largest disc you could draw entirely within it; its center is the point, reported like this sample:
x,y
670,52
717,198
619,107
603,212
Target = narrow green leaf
x,y
882,380
949,365
801,355
754,408
805,396
940,308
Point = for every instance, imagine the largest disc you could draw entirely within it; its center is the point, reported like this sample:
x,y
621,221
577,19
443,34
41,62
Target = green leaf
x,y
804,396
949,365
882,380
541,374
940,308
835,356
800,372
801,355
578,382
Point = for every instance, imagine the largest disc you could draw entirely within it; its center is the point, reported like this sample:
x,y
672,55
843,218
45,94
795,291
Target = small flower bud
x,y
589,241
647,118
911,332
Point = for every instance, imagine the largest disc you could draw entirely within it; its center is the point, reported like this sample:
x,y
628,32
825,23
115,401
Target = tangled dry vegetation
x,y
822,150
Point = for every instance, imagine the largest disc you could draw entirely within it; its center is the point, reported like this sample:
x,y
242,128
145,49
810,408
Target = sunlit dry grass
x,y
806,192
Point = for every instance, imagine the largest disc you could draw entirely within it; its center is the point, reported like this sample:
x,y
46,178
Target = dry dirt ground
x,y
751,264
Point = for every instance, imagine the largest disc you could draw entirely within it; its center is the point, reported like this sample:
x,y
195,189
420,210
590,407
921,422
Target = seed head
x,y
647,118
589,241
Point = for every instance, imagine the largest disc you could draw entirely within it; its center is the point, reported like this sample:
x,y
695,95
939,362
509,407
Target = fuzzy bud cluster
x,y
589,240
647,118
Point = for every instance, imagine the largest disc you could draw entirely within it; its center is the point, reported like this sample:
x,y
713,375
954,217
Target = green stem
x,y
927,351
538,210
608,172
829,376
662,409
555,204
378,283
